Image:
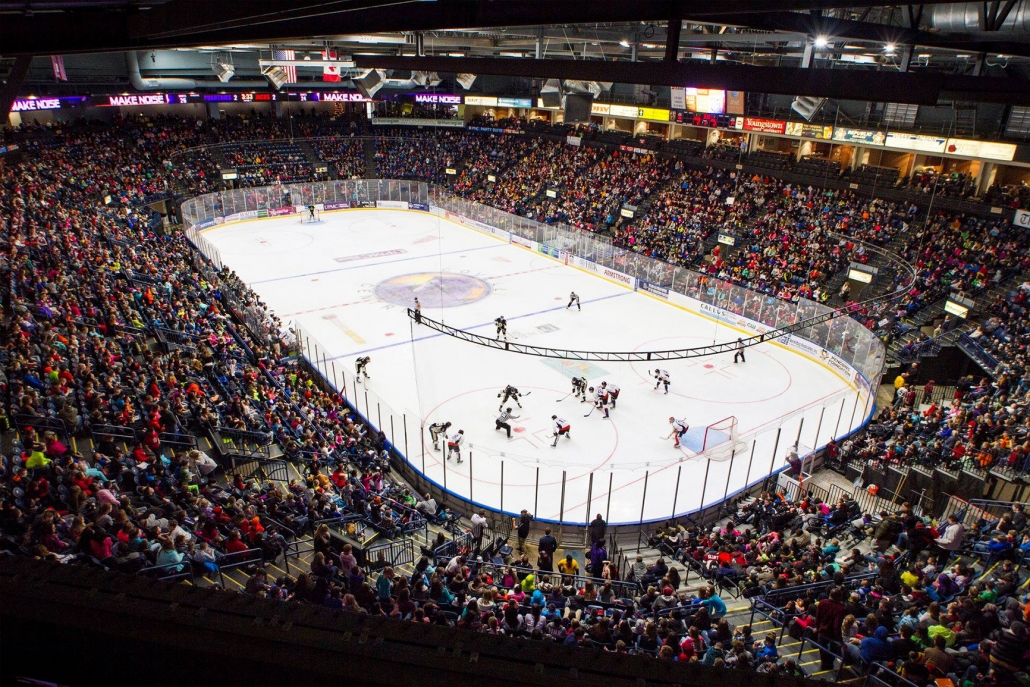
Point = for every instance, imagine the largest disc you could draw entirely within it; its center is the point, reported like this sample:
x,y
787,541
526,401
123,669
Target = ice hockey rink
x,y
346,281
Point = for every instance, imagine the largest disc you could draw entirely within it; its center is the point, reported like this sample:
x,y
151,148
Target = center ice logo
x,y
433,289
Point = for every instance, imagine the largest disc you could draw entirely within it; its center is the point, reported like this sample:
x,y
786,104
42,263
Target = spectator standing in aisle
x,y
547,546
598,528
522,528
951,538
478,529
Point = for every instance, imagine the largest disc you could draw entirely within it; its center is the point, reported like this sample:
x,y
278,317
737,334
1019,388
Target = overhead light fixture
x,y
890,48
624,43
369,84
807,106
276,76
465,80
821,42
426,79
224,71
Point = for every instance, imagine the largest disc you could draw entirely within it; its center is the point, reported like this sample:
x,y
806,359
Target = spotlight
x,y
624,43
821,42
890,49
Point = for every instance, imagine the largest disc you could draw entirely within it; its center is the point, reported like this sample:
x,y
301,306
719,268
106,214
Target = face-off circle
x,y
432,289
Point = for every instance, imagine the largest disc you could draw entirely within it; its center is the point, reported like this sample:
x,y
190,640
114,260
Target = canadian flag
x,y
330,72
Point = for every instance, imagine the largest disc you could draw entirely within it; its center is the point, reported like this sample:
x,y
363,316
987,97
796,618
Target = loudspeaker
x,y
551,94
369,84
466,80
807,106
577,107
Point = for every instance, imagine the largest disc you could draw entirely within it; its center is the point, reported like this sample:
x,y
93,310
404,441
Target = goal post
x,y
718,433
307,218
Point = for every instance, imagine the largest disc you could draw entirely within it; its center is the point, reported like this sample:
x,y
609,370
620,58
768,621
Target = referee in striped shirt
x,y
502,421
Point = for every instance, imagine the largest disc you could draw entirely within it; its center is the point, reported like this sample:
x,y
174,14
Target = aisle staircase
x,y
370,158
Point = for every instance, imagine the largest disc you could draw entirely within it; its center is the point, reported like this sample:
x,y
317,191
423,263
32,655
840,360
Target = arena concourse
x,y
267,349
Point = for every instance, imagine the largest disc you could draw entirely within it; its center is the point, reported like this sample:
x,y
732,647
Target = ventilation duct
x,y
970,16
174,84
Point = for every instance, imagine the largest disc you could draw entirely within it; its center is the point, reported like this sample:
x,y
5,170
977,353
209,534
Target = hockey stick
x,y
565,396
590,411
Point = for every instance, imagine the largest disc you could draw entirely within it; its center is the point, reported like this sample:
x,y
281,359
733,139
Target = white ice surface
x,y
298,271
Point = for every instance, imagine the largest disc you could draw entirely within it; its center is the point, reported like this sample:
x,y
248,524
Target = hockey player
x,y
600,400
561,427
436,430
573,298
361,367
418,312
454,445
662,377
502,421
740,351
502,327
506,393
679,428
311,213
613,392
579,388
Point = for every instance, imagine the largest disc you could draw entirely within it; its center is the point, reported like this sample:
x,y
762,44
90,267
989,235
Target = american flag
x,y
290,69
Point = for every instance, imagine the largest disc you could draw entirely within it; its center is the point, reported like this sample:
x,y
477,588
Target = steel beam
x,y
184,23
923,88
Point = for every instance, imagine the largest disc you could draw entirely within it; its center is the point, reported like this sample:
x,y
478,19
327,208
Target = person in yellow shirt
x,y
37,459
568,565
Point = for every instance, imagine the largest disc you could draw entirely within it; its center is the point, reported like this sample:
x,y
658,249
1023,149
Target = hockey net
x,y
307,218
720,438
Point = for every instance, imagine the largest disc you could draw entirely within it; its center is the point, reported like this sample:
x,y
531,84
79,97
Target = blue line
x,y
485,324
373,264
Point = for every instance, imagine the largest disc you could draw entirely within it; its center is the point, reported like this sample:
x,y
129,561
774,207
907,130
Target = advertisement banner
x,y
809,130
838,364
204,224
479,226
240,216
392,204
335,206
1022,219
614,275
418,206
653,289
679,98
279,212
406,121
762,126
866,136
920,142
981,149
363,204
525,243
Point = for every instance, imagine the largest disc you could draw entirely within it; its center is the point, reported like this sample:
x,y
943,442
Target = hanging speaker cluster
x,y
369,84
